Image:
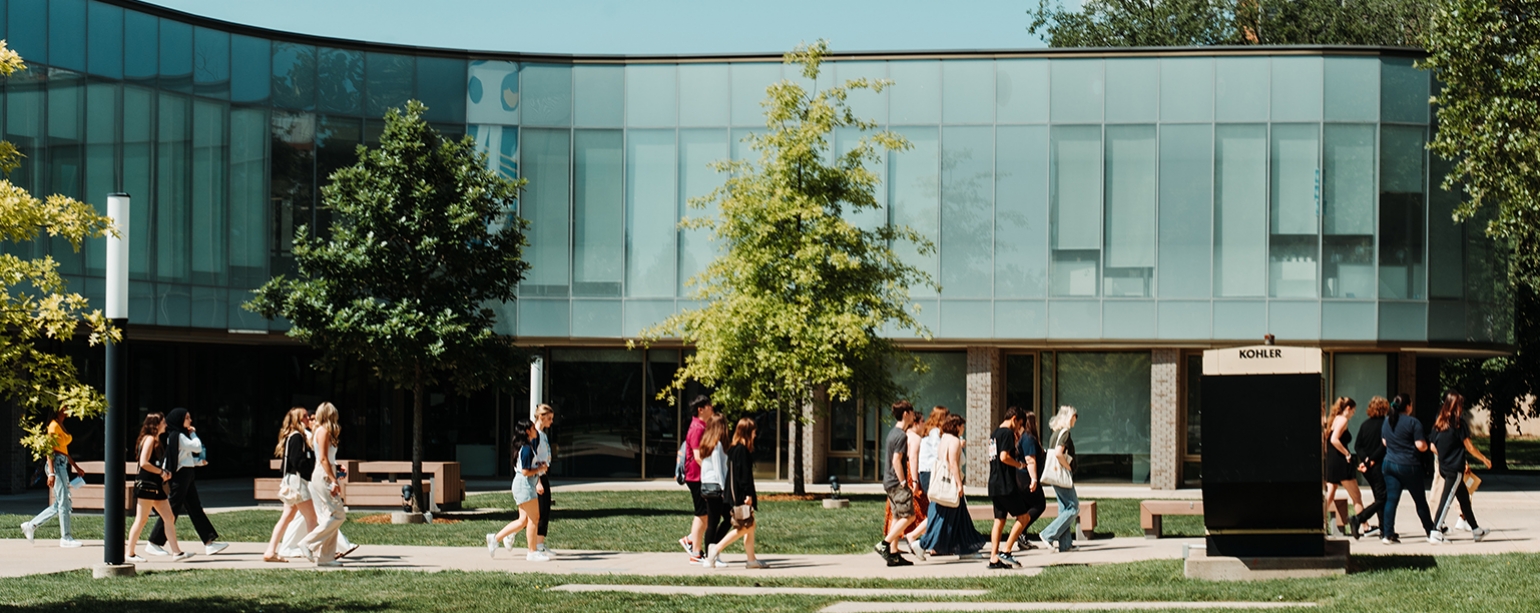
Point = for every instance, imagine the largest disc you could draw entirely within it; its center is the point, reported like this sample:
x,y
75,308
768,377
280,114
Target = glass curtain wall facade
x,y
1078,203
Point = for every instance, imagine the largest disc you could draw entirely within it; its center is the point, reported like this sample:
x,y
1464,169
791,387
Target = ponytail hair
x,y
1398,407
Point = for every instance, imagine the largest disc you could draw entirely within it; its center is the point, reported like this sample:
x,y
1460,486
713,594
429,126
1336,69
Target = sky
x,y
643,27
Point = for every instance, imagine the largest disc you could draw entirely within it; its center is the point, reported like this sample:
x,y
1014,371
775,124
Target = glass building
x,y
1101,218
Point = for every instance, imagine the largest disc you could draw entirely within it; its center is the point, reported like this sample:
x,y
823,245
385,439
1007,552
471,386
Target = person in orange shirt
x,y
59,466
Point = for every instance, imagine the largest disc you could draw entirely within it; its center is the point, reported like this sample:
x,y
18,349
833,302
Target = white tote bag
x,y
1054,473
944,490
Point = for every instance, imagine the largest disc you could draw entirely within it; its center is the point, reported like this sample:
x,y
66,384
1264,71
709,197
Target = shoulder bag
x,y
944,489
742,515
1054,473
290,488
713,489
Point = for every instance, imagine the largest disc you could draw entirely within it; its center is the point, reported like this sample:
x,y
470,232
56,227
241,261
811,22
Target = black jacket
x,y
297,457
740,475
1369,445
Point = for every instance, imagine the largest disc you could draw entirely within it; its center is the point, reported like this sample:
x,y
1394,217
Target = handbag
x,y
145,488
944,490
1054,473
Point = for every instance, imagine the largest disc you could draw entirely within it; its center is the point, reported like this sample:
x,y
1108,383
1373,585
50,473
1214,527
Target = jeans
x,y
1376,477
1062,530
1400,477
61,497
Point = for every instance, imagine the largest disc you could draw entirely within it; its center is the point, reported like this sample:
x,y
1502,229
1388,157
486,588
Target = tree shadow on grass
x,y
617,512
152,604
1370,564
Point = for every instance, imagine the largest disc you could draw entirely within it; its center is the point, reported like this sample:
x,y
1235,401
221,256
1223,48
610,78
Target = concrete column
x,y
1165,419
986,394
815,438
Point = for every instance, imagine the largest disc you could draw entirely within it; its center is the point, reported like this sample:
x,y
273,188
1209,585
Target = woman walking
x,y
59,467
294,489
527,470
950,530
184,451
544,416
1370,448
320,545
1032,453
1062,530
1451,441
713,482
740,494
150,489
1404,438
1340,469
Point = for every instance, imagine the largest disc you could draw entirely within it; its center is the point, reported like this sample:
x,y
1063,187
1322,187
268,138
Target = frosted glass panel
x,y
1077,187
913,177
1077,91
970,91
1186,209
1021,211
1296,89
916,93
864,103
544,204
1021,91
1133,90
651,91
1361,376
651,216
846,139
697,150
546,92
1403,91
1352,88
1240,205
598,233
1130,236
1349,191
1241,89
1296,179
967,204
598,95
704,95
1187,89
749,81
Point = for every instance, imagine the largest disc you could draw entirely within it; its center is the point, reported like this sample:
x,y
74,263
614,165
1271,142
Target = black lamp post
x,y
117,313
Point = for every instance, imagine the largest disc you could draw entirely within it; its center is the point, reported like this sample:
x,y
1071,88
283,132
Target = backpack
x,y
679,464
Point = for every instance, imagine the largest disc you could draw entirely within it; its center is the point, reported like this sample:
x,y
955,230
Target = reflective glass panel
x,y
209,167
1362,376
340,80
138,166
248,211
211,63
1347,265
749,80
600,392
67,34
28,34
1241,90
598,230
1187,89
598,95
441,84
864,103
492,90
846,139
1294,208
102,138
1403,91
65,156
969,94
545,162
1021,211
250,68
294,70
1130,217
704,94
1077,91
173,151
547,94
1186,208
141,46
1296,89
388,82
176,61
105,52
1111,395
1076,209
651,213
1401,213
1021,91
914,195
651,95
916,94
1240,205
967,204
697,150
1352,89
1133,90
1446,238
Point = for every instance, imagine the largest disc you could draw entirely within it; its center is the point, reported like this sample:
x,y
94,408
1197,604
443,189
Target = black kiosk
x,y
1262,452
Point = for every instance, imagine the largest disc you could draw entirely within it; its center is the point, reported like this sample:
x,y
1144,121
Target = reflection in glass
x,y
173,150
1401,214
211,63
967,204
944,384
294,71
66,34
914,193
598,232
250,68
176,61
441,85
1111,394
105,51
141,46
1020,382
596,393
102,106
138,164
697,150
1294,208
663,416
1362,376
30,42
1446,237
1347,266
248,224
1021,211
546,163
340,80
65,154
389,82
293,184
209,166
651,213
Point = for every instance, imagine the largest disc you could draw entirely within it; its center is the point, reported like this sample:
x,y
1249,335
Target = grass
x,y
1455,584
1522,452
631,521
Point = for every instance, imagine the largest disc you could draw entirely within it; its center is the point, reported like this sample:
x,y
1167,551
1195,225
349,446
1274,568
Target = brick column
x,y
1165,413
986,393
815,436
1406,374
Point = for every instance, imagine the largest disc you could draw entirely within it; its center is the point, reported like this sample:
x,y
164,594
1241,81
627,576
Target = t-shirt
x,y
691,443
526,459
897,443
61,438
1002,476
1062,438
1028,447
1450,445
1401,440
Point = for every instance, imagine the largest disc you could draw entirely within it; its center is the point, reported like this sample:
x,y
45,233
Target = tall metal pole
x,y
117,313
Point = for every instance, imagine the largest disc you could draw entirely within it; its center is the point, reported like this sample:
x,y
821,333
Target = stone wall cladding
x,y
1406,374
986,392
1165,419
815,433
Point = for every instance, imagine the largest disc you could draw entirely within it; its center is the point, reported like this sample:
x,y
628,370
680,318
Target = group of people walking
x,y
1386,453
718,469
923,476
311,488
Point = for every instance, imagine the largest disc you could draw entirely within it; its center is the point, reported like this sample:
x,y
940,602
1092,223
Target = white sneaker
x,y
535,556
328,564
543,549
135,560
182,556
1435,537
491,544
68,543
1480,533
154,550
508,541
214,547
915,548
28,530
1461,524
711,560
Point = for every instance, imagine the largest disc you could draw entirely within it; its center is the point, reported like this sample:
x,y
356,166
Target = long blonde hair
x,y
293,422
1062,419
326,417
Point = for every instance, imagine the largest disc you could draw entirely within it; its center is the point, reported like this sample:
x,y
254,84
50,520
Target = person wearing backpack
x,y
694,543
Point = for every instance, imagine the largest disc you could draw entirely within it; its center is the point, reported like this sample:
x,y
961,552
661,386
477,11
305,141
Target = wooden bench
x,y
1152,511
92,496
982,510
374,484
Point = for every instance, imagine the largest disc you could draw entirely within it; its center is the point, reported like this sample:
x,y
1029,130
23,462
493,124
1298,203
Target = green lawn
x,y
631,521
1455,584
1522,452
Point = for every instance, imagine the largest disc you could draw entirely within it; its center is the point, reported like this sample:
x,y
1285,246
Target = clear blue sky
x,y
642,27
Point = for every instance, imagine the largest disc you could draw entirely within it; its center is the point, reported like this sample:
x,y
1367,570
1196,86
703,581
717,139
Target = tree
x,y
423,239
1190,23
34,307
796,299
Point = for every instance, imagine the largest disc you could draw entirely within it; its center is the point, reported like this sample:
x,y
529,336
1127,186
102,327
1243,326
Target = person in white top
x,y
184,453
544,416
296,531
713,482
320,546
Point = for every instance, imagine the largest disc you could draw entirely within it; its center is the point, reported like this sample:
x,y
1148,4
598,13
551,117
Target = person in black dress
x,y
150,489
1340,469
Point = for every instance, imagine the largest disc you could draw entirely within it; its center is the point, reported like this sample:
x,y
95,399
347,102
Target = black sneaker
x,y
1000,565
1024,543
1353,524
882,550
1010,559
898,560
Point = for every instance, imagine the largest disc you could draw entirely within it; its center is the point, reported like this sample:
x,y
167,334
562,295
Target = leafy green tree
x,y
1190,23
34,307
796,300
423,239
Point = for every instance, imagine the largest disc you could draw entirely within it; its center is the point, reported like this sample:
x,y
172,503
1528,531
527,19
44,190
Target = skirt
x,y
524,489
951,531
1338,469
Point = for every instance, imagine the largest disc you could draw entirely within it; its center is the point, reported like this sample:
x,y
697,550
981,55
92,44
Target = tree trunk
x,y
798,483
1498,431
419,501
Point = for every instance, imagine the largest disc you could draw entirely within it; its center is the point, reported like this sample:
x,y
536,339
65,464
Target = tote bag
x,y
1054,473
944,490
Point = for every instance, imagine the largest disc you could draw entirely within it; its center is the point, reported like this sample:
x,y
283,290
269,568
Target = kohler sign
x,y
1262,360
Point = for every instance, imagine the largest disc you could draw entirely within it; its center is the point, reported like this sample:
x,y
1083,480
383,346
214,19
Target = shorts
x,y
696,499
1009,505
523,489
901,501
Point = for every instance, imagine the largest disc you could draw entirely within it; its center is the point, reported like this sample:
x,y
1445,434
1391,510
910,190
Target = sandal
x,y
343,554
274,559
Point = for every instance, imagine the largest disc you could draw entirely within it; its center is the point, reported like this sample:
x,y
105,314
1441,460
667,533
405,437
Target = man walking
x,y
544,417
695,543
895,479
1008,498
